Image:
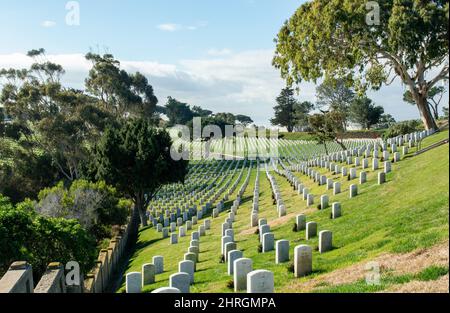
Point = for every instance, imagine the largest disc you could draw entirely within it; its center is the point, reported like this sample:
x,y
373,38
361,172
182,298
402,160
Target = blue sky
x,y
129,29
212,53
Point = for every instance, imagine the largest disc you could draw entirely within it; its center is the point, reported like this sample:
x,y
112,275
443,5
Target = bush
x,y
26,236
230,284
96,206
260,248
15,230
294,228
26,173
62,240
403,128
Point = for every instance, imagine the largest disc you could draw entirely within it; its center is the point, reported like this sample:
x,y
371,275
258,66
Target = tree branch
x,y
443,74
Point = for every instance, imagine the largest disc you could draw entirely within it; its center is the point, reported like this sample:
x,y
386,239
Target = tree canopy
x,y
342,39
244,119
136,159
290,112
61,121
364,112
179,113
285,110
327,127
117,91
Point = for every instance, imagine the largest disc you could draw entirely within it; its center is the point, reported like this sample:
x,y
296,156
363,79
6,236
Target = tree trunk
x,y
425,113
435,111
139,206
326,148
341,144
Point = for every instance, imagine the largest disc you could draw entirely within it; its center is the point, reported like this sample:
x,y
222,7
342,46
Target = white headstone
x,y
381,178
362,178
311,230
133,282
336,188
282,251
181,281
158,261
233,255
336,210
353,191
301,222
148,274
254,220
323,202
225,240
188,267
260,281
302,260
268,242
325,241
241,268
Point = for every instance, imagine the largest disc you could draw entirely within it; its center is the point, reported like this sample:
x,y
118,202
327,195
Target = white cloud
x,y
243,82
48,24
172,27
169,27
219,52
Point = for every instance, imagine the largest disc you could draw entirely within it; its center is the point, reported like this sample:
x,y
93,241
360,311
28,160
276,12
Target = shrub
x,y
230,284
260,248
96,206
294,228
27,236
403,128
26,174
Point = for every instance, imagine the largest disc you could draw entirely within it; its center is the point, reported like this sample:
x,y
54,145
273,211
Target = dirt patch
x,y
397,264
436,286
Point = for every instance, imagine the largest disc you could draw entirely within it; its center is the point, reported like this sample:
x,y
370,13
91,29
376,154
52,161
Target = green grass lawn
x,y
410,211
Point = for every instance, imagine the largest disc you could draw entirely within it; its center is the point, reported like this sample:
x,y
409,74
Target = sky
x,y
213,53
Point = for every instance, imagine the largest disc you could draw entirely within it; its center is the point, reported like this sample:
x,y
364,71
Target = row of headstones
x,y
337,169
276,194
244,277
410,138
255,205
199,215
367,150
135,281
172,195
187,200
262,281
182,280
336,186
323,180
267,238
227,240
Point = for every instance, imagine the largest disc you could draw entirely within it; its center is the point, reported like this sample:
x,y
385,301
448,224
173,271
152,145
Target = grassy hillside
x,y
410,211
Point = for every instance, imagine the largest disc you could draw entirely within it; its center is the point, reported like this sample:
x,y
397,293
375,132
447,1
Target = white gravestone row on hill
x,y
176,215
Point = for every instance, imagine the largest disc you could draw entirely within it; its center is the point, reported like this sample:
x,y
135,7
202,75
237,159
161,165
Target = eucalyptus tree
x,y
368,45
